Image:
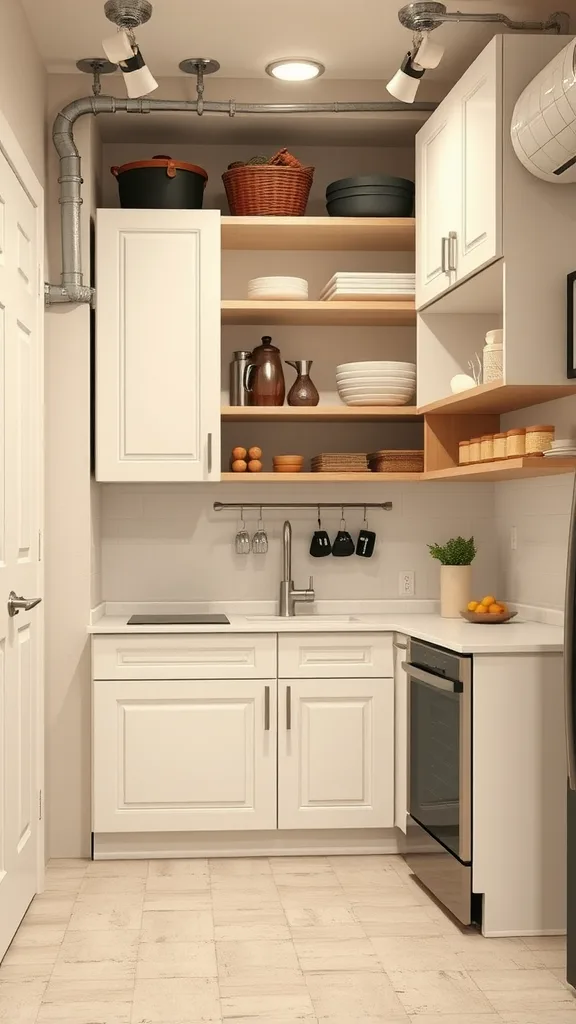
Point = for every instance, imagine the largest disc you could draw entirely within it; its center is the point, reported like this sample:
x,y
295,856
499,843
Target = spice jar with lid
x,y
474,449
539,439
493,357
499,446
515,442
463,453
486,447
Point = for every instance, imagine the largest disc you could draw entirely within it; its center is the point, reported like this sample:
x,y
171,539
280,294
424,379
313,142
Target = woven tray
x,y
396,461
336,462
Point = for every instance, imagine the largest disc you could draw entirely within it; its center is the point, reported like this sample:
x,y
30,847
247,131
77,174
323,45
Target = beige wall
x,y
22,84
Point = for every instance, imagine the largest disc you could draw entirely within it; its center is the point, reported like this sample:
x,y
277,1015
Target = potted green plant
x,y
456,557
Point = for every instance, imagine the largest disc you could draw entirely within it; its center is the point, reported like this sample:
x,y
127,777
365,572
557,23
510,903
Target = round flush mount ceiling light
x,y
295,69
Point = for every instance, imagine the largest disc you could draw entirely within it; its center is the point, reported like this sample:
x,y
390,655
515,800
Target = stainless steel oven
x,y
440,771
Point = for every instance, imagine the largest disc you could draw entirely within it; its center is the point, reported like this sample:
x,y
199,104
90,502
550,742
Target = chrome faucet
x,y
288,594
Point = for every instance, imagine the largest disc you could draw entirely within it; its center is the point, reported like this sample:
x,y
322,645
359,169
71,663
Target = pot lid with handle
x,y
161,161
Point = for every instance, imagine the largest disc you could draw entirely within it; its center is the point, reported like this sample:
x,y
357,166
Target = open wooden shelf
x,y
319,413
498,398
320,314
508,469
319,478
367,234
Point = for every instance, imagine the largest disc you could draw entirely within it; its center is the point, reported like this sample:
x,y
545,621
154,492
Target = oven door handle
x,y
448,685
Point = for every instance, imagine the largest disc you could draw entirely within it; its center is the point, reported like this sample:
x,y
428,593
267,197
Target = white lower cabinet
x,y
336,753
172,755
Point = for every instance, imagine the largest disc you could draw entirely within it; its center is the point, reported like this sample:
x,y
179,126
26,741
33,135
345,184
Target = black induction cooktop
x,y
209,619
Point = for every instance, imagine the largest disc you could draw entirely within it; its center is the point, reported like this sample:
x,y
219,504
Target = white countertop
x,y
515,637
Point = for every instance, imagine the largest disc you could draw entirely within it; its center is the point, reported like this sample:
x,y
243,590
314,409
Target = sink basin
x,y
302,618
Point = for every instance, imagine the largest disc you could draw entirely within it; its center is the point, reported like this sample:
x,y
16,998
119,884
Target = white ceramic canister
x,y
455,589
493,357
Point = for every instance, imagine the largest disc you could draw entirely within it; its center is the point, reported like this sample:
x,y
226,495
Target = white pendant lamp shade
x,y
118,47
429,53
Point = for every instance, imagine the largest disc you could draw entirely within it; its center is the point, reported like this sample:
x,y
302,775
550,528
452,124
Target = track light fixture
x,y
423,16
122,48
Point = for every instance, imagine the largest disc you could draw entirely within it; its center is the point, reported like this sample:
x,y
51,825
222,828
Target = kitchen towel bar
x,y
284,506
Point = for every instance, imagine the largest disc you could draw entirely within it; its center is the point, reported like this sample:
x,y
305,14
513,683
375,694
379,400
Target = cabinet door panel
x,y
335,767
437,201
478,97
157,352
172,756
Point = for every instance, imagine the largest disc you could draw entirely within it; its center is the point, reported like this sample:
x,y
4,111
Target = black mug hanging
x,y
320,545
343,545
366,540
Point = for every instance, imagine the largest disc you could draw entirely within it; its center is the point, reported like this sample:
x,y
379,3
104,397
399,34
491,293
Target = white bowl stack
x,y
563,448
376,383
269,288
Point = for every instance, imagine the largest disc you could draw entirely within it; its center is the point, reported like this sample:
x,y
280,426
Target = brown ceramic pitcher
x,y
264,375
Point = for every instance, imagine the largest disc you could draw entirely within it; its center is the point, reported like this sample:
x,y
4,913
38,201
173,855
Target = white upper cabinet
x,y
158,345
459,180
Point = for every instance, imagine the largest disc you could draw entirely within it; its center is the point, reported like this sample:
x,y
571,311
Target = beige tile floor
x,y
322,940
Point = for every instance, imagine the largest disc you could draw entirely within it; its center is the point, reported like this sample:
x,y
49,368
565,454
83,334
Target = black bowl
x,y
370,179
371,190
371,206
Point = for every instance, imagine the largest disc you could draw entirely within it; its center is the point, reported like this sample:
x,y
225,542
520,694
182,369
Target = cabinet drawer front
x,y
177,656
184,755
333,655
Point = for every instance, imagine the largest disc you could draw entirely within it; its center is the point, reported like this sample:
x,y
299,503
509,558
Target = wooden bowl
x,y
281,460
288,467
488,617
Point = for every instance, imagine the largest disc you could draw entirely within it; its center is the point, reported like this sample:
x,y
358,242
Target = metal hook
x,y
365,518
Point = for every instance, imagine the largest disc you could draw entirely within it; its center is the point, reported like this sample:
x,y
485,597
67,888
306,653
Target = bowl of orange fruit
x,y
488,610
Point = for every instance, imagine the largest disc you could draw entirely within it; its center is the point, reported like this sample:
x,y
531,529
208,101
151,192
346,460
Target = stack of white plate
x,y
563,448
376,383
278,288
354,286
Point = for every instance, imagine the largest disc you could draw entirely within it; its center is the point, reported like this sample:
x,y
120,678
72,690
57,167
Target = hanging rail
x,y
282,506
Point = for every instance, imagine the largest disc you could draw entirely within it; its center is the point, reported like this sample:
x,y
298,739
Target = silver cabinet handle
x,y
210,453
267,709
17,604
288,708
452,251
445,244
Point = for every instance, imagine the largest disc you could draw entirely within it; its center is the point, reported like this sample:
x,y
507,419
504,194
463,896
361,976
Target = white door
x,y
336,753
400,734
183,755
478,98
437,202
158,345
21,311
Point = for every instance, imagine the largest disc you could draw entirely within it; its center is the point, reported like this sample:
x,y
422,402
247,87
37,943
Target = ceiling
x,y
363,40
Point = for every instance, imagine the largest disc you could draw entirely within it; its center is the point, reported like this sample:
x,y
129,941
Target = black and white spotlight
x,y
404,85
122,49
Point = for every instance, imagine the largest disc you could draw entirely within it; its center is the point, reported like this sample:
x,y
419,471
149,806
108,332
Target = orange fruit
x,y
481,609
495,609
488,600
503,607
472,606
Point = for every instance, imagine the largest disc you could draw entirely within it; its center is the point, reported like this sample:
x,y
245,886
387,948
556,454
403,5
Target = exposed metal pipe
x,y
72,287
426,15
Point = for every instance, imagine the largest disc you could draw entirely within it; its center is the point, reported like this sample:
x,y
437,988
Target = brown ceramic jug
x,y
264,375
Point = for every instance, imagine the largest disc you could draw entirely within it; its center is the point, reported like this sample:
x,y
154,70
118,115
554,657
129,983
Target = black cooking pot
x,y
367,180
160,183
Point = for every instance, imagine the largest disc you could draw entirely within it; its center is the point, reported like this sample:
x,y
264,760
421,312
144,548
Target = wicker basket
x,y
261,190
396,461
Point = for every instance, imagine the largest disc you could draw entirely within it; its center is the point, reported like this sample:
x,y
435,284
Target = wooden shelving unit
x,y
320,413
498,398
320,314
320,478
361,234
509,469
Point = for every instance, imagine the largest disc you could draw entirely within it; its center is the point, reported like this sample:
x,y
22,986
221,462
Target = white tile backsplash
x,y
165,542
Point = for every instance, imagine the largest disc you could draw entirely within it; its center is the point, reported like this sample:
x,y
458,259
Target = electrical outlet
x,y
406,583
513,538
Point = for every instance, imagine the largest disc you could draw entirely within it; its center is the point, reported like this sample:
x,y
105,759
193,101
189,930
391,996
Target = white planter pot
x,y
455,589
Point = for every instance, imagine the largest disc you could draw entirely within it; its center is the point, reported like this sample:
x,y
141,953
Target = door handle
x,y
288,708
210,453
444,256
452,251
267,709
17,604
